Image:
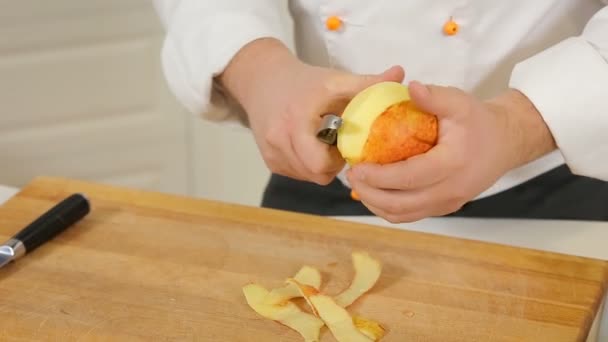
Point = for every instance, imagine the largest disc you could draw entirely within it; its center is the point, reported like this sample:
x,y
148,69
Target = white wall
x,y
82,95
230,171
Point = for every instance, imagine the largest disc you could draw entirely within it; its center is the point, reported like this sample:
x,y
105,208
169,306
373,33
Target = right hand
x,y
285,100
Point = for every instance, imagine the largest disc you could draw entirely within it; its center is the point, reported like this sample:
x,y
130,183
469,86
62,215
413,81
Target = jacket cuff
x,y
567,83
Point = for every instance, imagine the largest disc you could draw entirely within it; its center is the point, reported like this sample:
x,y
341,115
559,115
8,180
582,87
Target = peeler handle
x,y
54,221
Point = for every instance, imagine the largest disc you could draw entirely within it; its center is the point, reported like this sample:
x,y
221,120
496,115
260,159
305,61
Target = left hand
x,y
478,143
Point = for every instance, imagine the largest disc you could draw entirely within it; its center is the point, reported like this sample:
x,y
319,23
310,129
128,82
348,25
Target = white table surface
x,y
581,238
6,192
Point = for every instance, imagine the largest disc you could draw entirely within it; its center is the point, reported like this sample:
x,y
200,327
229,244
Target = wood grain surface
x,y
146,266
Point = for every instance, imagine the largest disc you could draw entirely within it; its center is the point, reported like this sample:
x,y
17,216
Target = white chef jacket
x,y
553,51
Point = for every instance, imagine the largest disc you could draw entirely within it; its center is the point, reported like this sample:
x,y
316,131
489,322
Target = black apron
x,y
557,194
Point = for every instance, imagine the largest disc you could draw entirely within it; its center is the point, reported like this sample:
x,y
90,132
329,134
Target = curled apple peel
x,y
326,310
305,291
342,326
306,275
367,272
370,328
288,313
338,320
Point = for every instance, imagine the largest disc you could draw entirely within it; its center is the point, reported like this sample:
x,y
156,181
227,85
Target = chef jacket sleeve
x,y
201,39
568,84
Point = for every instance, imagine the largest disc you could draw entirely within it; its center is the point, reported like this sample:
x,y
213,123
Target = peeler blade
x,y
328,132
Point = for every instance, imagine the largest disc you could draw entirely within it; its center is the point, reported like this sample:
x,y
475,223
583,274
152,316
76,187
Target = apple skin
x,y
400,132
382,125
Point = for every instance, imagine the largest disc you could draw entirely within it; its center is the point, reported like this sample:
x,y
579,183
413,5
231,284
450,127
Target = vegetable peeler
x,y
328,131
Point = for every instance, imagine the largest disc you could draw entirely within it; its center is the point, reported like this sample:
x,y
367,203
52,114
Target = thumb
x,y
359,82
392,74
438,100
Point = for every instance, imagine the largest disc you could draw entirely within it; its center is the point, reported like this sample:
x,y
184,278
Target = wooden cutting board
x,y
153,267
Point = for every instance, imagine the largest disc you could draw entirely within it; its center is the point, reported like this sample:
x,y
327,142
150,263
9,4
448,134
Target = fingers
x,y
349,85
439,100
397,218
280,157
395,73
289,149
399,206
319,161
416,172
299,154
391,201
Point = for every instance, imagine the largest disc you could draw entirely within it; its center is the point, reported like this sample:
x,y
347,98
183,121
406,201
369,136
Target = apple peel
x,y
307,275
326,310
288,314
338,320
305,291
367,272
370,328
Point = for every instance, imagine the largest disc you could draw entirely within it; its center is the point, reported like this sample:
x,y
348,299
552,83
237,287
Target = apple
x,y
382,125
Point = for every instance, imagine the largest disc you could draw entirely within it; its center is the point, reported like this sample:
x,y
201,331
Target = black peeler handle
x,y
54,221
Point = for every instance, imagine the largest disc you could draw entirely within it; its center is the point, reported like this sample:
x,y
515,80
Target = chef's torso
x,y
366,36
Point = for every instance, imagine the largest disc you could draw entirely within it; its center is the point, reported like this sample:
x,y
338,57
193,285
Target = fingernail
x,y
423,89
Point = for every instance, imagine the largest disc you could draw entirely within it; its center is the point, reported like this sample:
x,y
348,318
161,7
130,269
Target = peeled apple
x,y
382,125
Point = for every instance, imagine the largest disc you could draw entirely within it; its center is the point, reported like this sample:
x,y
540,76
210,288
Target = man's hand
x,y
285,100
478,143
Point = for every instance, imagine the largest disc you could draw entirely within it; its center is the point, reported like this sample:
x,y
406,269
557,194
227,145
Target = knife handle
x,y
54,221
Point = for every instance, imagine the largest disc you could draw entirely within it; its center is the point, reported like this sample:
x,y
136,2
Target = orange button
x,y
333,23
450,27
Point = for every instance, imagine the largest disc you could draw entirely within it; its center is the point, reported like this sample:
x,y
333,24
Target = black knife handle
x,y
54,221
